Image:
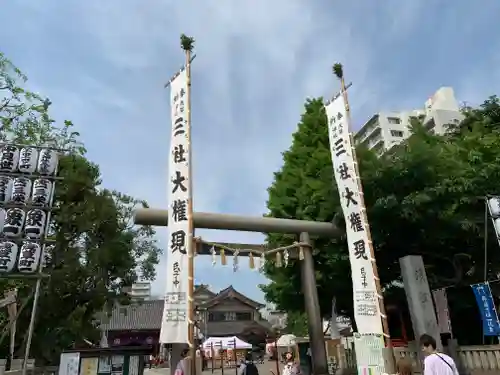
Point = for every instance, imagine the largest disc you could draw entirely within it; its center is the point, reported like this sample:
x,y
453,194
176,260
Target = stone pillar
x,y
418,295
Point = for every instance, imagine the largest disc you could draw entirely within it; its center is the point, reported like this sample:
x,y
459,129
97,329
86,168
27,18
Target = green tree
x,y
97,251
296,324
425,197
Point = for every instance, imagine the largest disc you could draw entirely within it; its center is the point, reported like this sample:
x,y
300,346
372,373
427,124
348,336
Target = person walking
x,y
182,366
436,363
248,367
291,367
404,366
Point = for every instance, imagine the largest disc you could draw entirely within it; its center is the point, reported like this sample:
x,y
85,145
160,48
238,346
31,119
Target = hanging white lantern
x,y
8,256
497,225
9,158
21,190
3,214
14,222
494,206
41,192
47,162
28,157
48,256
5,189
29,256
35,223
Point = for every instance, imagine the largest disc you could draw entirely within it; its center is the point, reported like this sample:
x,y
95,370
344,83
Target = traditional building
x,y
227,313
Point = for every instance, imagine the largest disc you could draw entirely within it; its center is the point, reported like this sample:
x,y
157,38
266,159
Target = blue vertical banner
x,y
491,325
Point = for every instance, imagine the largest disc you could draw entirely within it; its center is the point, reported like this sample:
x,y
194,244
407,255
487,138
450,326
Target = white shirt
x,y
439,364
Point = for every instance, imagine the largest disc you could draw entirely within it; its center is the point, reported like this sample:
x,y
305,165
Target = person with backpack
x,y
248,367
436,363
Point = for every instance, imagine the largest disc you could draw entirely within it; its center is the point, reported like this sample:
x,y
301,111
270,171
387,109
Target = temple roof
x,y
147,315
230,293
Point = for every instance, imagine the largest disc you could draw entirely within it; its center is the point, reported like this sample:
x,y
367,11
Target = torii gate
x,y
304,229
181,158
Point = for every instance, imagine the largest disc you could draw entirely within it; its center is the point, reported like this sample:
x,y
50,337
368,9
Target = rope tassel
x,y
214,256
286,257
235,260
223,257
251,261
262,262
279,262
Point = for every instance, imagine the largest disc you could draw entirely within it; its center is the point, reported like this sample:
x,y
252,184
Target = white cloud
x,y
103,64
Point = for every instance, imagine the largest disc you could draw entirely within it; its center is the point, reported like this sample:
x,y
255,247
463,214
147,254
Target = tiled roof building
x,y
227,313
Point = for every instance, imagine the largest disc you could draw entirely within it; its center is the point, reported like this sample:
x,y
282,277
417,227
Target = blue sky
x,y
103,65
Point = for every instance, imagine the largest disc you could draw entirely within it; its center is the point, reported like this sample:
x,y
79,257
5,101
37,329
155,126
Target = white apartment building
x,y
386,129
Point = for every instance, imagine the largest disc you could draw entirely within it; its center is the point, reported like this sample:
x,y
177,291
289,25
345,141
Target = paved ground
x,y
267,368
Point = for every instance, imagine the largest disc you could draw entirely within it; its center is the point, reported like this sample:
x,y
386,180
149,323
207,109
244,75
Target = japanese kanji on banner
x,y
175,323
366,304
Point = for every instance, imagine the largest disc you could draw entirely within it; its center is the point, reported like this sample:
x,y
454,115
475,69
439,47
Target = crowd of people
x,y
435,362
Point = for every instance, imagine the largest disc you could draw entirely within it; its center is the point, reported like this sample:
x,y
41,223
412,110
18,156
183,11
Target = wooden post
x,y
390,360
192,244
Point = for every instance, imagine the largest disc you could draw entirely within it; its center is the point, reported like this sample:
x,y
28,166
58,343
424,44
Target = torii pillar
x,y
304,229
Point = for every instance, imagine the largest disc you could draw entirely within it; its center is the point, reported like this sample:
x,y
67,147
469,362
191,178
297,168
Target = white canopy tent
x,y
226,343
286,340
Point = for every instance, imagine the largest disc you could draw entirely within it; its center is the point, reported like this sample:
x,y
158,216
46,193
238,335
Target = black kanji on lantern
x,y
178,242
178,182
25,158
7,251
179,210
343,170
4,188
45,160
41,191
356,221
179,126
179,154
14,220
339,147
349,197
35,218
20,190
27,258
7,158
360,249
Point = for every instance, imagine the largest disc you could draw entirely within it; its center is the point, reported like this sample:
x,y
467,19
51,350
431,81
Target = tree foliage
x,y
97,250
424,197
296,324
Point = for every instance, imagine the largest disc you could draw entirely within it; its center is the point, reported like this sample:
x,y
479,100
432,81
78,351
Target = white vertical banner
x,y
175,323
366,304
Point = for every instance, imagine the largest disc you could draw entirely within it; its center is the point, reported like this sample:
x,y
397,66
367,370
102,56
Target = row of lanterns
x,y
15,222
25,257
21,190
28,160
